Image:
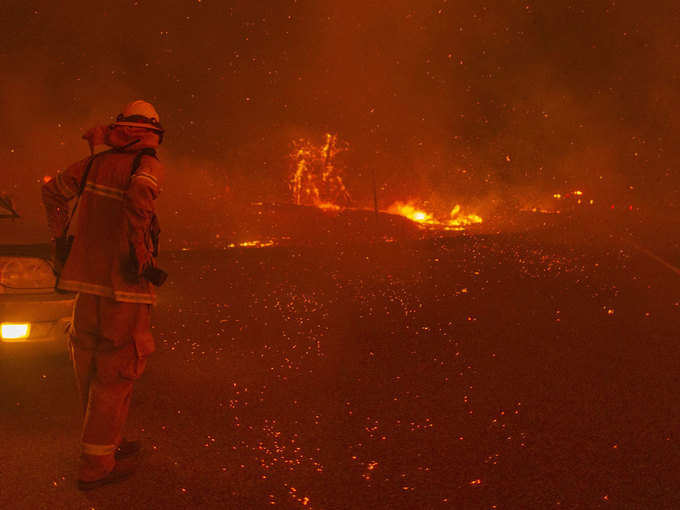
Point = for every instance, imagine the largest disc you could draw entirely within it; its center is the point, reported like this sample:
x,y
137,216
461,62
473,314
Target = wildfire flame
x,y
316,179
455,221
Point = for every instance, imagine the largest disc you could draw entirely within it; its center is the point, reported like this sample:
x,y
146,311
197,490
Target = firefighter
x,y
110,337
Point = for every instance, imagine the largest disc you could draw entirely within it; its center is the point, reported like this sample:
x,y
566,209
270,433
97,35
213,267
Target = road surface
x,y
525,370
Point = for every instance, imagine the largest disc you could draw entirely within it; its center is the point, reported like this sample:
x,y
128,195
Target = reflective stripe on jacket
x,y
114,210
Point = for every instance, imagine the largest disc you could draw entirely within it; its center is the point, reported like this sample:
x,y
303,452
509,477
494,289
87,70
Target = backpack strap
x,y
82,188
148,151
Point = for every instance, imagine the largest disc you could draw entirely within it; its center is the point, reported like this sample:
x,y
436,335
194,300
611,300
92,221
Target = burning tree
x,y
316,179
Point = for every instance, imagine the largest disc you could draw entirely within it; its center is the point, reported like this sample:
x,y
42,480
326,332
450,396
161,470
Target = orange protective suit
x,y
111,334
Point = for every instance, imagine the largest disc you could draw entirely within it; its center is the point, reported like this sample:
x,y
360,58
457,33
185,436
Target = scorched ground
x,y
524,370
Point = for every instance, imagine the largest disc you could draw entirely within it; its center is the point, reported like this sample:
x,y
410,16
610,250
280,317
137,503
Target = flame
x,y
462,220
411,212
327,206
252,244
316,179
456,220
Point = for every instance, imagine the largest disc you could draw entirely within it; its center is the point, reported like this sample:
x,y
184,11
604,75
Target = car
x,y
34,317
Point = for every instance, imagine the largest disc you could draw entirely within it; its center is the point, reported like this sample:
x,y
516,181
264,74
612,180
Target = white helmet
x,y
139,114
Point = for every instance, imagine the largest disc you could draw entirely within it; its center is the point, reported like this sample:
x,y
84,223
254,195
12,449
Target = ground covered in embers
x,y
521,371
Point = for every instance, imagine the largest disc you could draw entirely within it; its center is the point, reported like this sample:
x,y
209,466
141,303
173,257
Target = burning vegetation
x,y
457,220
317,180
322,209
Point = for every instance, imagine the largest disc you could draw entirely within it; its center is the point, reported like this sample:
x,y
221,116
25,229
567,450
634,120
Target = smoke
x,y
442,101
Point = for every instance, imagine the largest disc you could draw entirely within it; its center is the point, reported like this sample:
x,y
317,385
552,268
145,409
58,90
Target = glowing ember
x,y
539,210
253,244
456,220
568,201
560,196
327,206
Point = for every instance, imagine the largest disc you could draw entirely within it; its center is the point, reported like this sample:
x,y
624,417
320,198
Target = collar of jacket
x,y
121,137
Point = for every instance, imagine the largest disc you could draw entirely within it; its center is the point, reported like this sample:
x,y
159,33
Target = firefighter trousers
x,y
105,371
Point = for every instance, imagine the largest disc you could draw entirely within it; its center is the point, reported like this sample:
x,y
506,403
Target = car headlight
x,y
14,332
25,275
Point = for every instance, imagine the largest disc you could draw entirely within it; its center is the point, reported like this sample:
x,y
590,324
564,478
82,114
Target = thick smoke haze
x,y
445,101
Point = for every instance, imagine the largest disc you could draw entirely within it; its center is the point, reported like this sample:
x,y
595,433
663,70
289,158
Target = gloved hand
x,y
97,135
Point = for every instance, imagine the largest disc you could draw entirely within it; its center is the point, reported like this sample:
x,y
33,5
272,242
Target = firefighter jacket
x,y
114,212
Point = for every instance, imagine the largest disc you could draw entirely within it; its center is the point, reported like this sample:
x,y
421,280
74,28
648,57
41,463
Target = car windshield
x,y
21,228
7,207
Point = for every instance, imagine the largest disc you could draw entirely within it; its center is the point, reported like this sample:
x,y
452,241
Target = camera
x,y
155,275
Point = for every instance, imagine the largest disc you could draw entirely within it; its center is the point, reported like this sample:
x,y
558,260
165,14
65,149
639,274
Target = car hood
x,y
40,250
